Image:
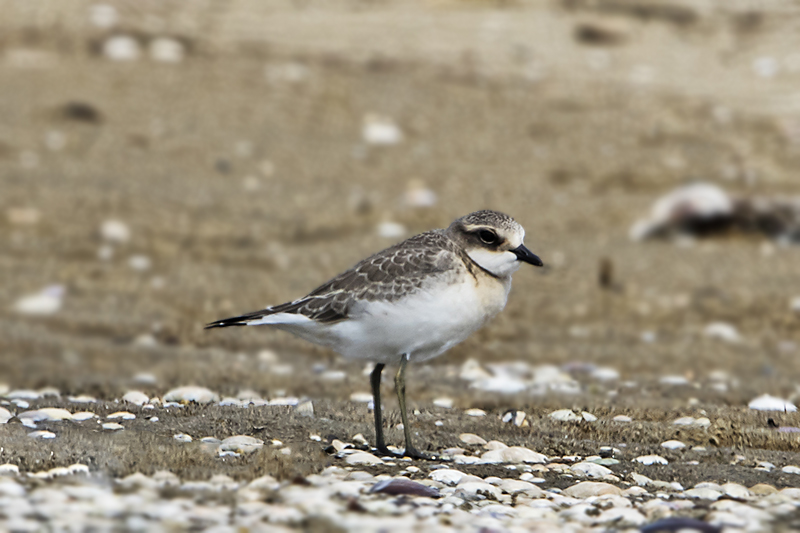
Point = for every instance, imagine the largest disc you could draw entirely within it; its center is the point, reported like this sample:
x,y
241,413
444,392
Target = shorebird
x,y
410,302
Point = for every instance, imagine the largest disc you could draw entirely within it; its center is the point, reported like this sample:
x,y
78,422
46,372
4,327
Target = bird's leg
x,y
375,381
400,388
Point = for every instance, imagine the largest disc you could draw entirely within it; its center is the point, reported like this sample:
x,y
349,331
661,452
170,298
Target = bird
x,y
408,303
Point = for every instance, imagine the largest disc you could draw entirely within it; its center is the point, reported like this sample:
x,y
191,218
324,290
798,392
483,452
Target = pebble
x,y
673,445
380,130
182,437
565,415
703,493
42,434
9,469
765,402
80,416
401,485
45,302
391,230
790,469
113,426
124,415
191,394
141,263
722,331
136,397
515,455
5,415
605,374
122,48
446,403
363,458
651,460
305,408
592,470
622,418
115,231
674,381
587,489
516,486
471,439
241,444
475,412
361,397
446,476
691,421
45,414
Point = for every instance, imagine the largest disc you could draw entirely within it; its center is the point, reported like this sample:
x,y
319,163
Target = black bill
x,y
523,254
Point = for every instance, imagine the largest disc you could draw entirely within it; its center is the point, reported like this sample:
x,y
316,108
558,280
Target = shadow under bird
x,y
410,302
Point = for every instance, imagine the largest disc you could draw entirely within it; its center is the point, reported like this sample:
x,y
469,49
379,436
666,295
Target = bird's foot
x,y
413,453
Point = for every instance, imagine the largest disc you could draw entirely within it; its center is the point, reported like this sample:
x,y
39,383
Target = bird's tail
x,y
242,320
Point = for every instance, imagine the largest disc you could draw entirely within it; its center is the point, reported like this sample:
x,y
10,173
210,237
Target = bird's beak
x,y
523,254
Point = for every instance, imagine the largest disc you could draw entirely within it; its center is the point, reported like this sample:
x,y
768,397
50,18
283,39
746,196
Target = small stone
x,y
651,460
478,490
605,374
191,394
124,415
790,469
305,408
400,486
182,437
762,489
513,454
675,381
45,302
622,419
588,417
122,48
565,415
446,476
445,403
722,331
703,494
115,231
42,435
45,414
9,469
5,415
136,397
673,445
734,490
113,426
516,486
139,262
592,470
80,416
380,130
241,444
471,439
765,402
391,230
363,458
765,466
361,397
475,412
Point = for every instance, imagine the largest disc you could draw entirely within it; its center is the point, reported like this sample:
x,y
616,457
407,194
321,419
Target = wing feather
x,y
388,275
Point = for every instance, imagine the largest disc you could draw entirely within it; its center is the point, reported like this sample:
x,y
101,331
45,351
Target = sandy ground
x,y
244,178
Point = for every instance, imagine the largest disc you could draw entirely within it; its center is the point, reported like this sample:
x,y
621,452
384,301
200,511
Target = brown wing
x,y
388,275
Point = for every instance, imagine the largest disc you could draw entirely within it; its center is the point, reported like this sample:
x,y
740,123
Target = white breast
x,y
424,324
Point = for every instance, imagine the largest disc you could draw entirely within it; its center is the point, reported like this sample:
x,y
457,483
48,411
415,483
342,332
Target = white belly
x,y
423,325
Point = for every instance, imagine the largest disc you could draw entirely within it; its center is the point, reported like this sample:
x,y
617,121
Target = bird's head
x,y
494,241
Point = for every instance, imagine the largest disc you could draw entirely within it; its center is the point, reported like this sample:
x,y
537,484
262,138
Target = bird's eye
x,y
488,236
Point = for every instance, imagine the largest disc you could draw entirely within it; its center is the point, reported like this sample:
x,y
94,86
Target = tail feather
x,y
239,320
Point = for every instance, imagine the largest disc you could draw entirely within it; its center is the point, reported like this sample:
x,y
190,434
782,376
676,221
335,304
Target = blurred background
x,y
165,164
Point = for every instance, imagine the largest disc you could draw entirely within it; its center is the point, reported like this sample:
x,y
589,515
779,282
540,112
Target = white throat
x,y
501,264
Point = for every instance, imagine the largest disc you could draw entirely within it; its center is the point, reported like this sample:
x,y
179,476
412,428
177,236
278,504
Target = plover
x,y
409,302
